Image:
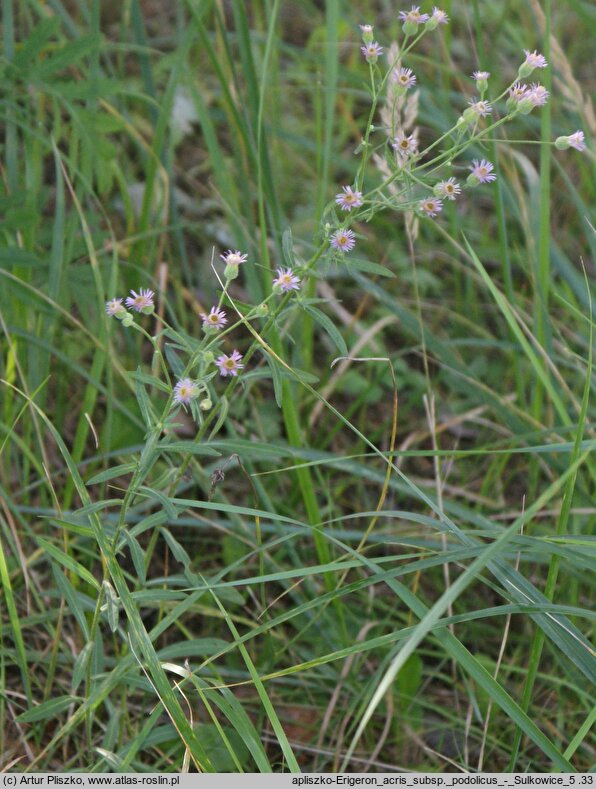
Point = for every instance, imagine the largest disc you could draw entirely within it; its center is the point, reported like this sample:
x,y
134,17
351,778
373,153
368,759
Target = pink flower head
x,y
185,391
440,16
143,300
414,16
482,171
372,51
229,365
537,94
286,280
577,141
349,198
448,190
404,77
480,107
343,240
233,257
114,306
431,206
404,145
534,59
366,29
518,91
481,75
216,319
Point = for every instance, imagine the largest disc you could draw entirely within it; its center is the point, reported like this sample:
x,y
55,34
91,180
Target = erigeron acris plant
x,y
416,181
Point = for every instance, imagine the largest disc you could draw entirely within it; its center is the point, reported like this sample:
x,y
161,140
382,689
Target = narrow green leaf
x,y
149,380
178,551
111,473
369,267
71,597
80,666
275,377
166,502
328,327
137,555
144,402
47,709
287,244
67,561
187,448
112,605
221,418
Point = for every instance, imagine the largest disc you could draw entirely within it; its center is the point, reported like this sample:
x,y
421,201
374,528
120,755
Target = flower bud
x,y
367,33
482,84
231,271
127,320
206,405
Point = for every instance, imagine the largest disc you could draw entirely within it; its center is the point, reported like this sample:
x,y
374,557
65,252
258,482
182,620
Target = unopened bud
x,y
482,85
367,33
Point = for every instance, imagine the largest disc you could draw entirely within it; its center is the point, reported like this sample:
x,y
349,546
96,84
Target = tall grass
x,y
374,562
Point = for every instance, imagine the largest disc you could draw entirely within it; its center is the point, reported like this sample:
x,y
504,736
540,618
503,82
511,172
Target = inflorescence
x,y
416,180
412,168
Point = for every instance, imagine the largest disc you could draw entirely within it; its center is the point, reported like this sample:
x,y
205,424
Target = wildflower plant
x,y
418,181
211,356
